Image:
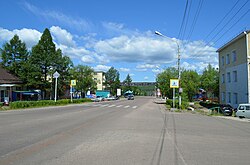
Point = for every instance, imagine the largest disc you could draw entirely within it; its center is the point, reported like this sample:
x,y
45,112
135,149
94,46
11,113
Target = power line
x,y
183,19
228,21
222,20
232,25
185,27
195,18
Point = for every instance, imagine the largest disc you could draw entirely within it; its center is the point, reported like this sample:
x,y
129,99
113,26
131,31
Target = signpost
x,y
56,75
174,83
72,83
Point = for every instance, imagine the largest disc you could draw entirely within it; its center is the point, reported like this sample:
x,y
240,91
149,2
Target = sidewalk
x,y
160,101
234,118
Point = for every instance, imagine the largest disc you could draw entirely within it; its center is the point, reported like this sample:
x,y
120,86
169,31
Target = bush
x,y
43,103
184,104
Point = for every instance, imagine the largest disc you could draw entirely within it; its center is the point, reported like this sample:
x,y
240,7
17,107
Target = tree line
x,y
35,68
190,82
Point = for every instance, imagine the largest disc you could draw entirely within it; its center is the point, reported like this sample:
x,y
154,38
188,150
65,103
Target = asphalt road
x,y
120,132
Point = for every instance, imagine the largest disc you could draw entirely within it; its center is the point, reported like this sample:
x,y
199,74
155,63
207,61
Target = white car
x,y
243,111
98,99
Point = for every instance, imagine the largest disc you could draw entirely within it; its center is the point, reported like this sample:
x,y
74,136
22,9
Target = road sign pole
x,y
55,89
173,97
56,75
71,93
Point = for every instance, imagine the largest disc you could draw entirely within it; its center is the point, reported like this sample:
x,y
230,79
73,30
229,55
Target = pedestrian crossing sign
x,y
73,82
174,83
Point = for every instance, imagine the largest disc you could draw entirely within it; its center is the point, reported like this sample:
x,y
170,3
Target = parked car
x,y
243,111
226,109
130,97
98,99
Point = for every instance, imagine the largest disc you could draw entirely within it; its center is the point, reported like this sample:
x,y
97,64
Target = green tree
x,y
190,82
44,61
210,81
84,78
63,66
163,81
127,83
14,58
112,80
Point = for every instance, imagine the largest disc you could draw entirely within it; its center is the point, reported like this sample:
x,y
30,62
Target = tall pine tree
x,y
45,60
14,58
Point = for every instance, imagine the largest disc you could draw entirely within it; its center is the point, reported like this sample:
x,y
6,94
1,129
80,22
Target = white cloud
x,y
29,36
62,36
200,51
88,59
52,16
146,66
113,26
124,69
156,71
102,68
197,66
146,78
137,49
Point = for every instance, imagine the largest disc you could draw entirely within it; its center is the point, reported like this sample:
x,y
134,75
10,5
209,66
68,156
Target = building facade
x,y
234,60
99,78
8,84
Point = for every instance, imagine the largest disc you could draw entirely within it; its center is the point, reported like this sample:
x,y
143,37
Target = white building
x,y
99,78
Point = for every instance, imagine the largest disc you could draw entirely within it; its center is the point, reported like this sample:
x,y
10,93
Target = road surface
x,y
123,132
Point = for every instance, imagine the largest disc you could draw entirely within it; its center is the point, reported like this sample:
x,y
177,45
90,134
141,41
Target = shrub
x,y
184,104
43,103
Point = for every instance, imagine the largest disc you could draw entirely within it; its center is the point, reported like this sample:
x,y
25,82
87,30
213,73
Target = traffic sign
x,y
73,82
174,83
56,75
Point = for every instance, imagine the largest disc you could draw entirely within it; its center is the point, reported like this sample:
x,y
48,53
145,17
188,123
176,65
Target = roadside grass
x,y
42,103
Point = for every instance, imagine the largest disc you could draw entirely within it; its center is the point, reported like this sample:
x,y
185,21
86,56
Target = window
x,y
235,98
227,59
228,77
222,60
241,108
235,76
223,78
247,108
234,56
229,97
223,96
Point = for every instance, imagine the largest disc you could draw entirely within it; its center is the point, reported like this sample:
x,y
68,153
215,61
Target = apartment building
x,y
234,61
99,78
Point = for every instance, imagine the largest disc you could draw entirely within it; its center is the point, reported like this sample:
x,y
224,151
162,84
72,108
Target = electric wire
x,y
233,25
186,24
183,20
226,15
228,22
195,19
209,43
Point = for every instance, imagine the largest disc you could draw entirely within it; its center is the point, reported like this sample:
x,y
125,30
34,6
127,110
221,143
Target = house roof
x,y
8,78
233,40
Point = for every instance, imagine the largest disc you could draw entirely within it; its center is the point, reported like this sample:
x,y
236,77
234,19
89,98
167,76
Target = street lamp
x,y
178,63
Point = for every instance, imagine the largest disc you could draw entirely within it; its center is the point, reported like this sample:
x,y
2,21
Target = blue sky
x,y
120,33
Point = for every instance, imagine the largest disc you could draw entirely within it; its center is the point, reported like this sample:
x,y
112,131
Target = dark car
x,y
227,109
130,97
